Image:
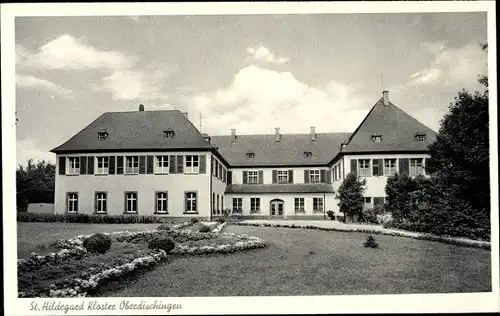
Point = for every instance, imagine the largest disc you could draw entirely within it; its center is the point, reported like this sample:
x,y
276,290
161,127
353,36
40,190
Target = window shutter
x,y
119,165
426,163
290,176
306,176
375,167
275,176
90,164
229,177
83,165
171,164
224,175
180,164
142,164
328,176
203,163
220,172
378,201
245,177
261,177
62,165
185,202
404,166
322,176
150,164
213,166
112,165
354,166
380,167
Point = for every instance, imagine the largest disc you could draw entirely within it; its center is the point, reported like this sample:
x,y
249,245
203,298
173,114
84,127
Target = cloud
x,y
67,52
451,66
31,82
28,149
259,99
264,55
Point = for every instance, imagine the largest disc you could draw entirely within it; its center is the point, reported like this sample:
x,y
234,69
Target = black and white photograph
x,y
249,158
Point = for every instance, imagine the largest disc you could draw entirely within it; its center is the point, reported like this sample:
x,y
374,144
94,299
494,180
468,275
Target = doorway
x,y
277,209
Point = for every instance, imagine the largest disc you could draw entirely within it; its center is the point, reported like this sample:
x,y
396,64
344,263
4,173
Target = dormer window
x,y
102,134
250,155
420,137
307,154
376,138
169,133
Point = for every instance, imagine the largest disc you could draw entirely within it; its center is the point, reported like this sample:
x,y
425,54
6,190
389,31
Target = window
x,y
364,167
102,135
367,203
282,176
416,167
250,155
389,167
314,176
218,208
161,164
214,210
131,164
131,202
253,177
237,205
307,154
299,205
192,164
162,202
73,165
191,204
317,205
72,200
254,205
168,133
377,138
101,202
102,165
420,138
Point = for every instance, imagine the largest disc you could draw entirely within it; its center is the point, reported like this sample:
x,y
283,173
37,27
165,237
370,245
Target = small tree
x,y
35,183
350,195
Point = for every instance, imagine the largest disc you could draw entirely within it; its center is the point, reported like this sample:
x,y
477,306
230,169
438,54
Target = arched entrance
x,y
277,208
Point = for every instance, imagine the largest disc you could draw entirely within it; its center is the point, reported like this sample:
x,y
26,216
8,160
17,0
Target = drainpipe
x,y
210,188
324,206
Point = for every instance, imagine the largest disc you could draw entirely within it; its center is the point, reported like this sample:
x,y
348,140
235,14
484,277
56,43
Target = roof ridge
x,y
237,135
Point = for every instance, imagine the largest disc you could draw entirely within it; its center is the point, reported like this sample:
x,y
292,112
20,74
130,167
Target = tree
x,y
350,195
35,183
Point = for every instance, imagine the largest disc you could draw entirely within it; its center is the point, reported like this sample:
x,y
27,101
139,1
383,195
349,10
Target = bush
x,y
88,218
99,243
221,220
161,242
204,229
370,242
164,227
371,215
194,220
331,214
340,218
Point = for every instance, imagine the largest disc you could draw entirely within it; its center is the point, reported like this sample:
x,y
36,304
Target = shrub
x,y
330,214
340,218
221,220
99,243
204,229
161,242
371,215
88,218
164,227
370,242
194,220
350,195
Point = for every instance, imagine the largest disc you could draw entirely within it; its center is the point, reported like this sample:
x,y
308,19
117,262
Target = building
x,y
158,163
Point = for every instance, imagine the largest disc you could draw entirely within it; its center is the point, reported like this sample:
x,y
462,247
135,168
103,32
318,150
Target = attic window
x,y
377,138
307,154
420,138
250,155
102,135
169,133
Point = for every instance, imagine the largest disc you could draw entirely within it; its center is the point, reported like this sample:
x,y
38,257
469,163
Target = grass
x,y
311,262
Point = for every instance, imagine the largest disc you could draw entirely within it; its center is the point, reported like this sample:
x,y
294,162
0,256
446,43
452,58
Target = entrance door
x,y
277,209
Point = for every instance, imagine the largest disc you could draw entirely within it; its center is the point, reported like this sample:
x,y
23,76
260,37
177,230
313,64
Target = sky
x,y
248,72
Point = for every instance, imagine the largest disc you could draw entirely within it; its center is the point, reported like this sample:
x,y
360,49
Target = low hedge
x,y
90,218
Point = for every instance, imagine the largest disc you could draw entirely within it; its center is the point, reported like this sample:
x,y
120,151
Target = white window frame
x,y
282,176
389,169
314,176
300,207
413,169
131,165
192,164
318,201
161,201
239,205
367,202
160,161
131,197
73,166
72,203
255,205
420,138
377,139
191,202
253,177
364,171
101,202
103,162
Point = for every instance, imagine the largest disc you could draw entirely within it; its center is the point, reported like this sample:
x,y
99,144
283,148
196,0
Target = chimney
x,y
206,137
385,94
277,134
313,133
141,107
233,135
186,115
